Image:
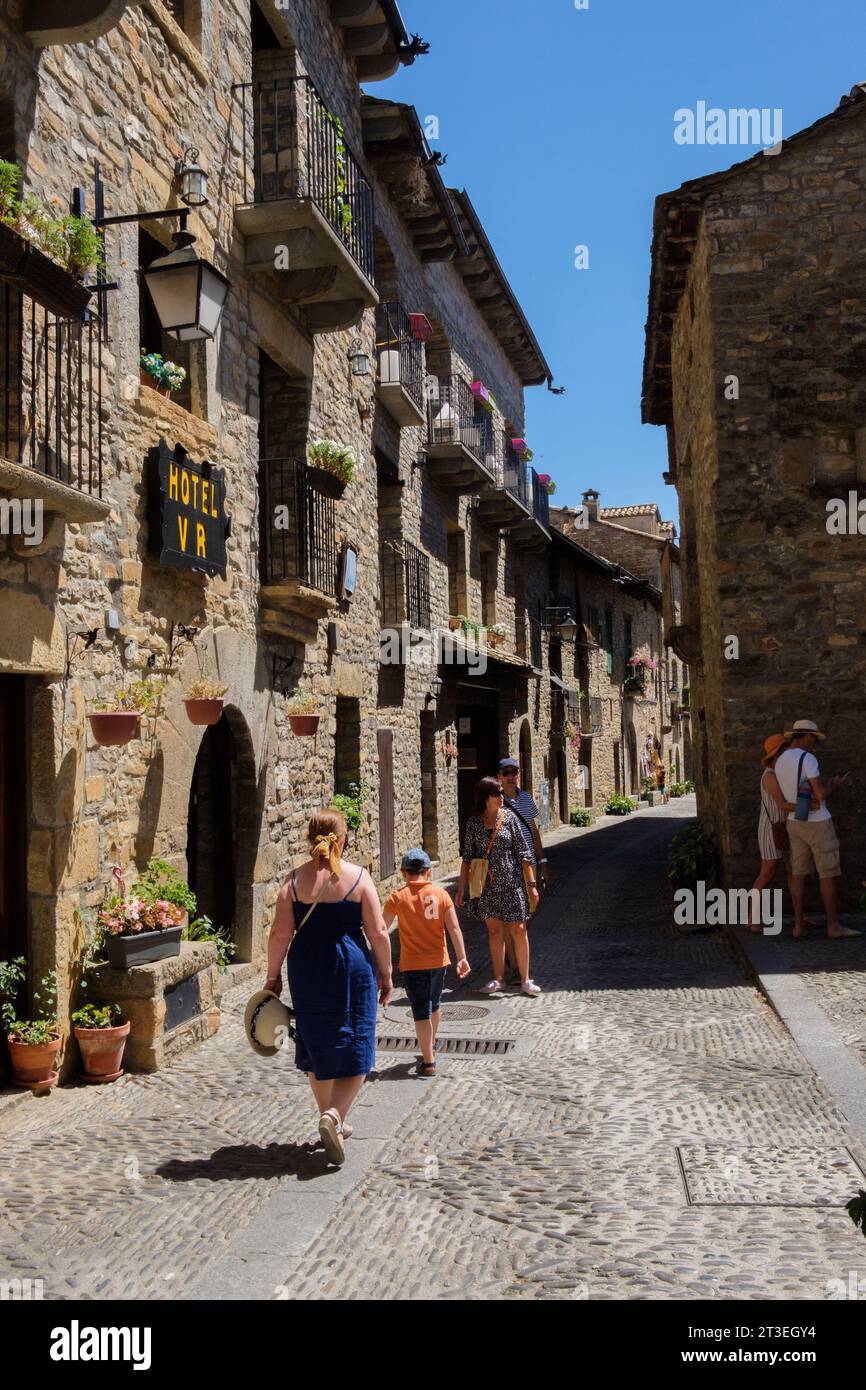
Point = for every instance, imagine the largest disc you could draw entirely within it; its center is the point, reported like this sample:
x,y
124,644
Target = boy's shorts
x,y
424,989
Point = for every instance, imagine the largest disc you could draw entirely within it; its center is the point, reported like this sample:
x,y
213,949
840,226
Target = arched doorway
x,y
525,755
222,829
562,785
633,777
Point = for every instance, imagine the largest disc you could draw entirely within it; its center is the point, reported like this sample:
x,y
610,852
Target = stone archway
x,y
223,822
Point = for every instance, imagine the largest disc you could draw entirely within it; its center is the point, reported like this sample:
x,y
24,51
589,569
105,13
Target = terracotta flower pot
x,y
204,711
102,1052
33,1064
111,728
304,725
146,379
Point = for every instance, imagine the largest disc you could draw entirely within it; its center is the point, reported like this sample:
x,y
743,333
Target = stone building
x,y
328,216
754,365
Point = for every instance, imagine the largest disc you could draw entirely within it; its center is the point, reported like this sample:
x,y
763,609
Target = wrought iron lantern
x,y
192,180
188,293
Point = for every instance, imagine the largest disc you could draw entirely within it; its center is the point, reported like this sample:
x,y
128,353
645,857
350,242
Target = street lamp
x,y
188,293
192,179
359,359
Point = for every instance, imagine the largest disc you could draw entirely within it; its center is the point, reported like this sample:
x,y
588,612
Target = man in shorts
x,y
814,841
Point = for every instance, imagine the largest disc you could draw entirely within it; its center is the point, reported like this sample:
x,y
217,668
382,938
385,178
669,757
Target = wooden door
x,y
385,740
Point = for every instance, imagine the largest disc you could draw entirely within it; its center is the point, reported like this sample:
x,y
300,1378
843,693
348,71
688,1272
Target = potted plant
x,y
47,256
160,882
331,467
203,929
481,393
456,621
693,857
101,1038
547,483
115,722
33,1043
351,803
618,805
580,816
138,931
304,713
204,701
160,374
496,635
470,629
518,447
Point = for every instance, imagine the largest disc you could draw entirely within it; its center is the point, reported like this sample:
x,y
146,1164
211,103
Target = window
x,y
608,639
456,572
150,334
627,636
594,622
488,587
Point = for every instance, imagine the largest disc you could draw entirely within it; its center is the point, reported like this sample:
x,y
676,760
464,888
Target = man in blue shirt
x,y
524,807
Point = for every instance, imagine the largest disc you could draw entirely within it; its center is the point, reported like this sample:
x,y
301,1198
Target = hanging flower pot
x,y
422,328
302,707
34,1064
102,1052
480,392
519,447
51,284
304,725
111,728
204,711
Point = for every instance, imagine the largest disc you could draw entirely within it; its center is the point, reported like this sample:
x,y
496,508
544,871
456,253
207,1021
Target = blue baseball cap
x,y
415,861
508,762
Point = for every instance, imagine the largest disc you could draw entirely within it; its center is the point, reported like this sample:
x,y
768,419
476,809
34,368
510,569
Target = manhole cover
x,y
456,1013
467,1047
726,1175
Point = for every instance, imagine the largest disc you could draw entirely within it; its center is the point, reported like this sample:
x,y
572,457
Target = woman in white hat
x,y
324,912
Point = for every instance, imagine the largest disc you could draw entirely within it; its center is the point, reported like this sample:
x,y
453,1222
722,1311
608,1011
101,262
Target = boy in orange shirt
x,y
424,914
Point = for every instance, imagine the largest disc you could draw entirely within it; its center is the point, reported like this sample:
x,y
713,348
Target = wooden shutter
x,y
386,802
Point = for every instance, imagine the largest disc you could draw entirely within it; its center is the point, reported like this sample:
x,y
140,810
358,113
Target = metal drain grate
x,y
451,1013
480,1047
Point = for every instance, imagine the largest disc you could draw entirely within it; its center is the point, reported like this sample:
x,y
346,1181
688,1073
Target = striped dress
x,y
770,812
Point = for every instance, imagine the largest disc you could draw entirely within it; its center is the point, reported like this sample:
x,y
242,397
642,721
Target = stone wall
x,y
775,300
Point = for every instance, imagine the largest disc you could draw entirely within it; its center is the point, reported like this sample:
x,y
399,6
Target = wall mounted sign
x,y
186,503
348,571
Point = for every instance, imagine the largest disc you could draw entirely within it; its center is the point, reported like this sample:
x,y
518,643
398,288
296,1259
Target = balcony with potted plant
x,y
507,501
307,215
533,533
400,352
51,420
460,448
299,556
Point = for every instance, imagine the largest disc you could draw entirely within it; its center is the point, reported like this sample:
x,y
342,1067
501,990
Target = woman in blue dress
x,y
327,912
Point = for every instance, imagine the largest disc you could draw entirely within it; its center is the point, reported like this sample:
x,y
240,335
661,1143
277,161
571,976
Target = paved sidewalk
x,y
655,1133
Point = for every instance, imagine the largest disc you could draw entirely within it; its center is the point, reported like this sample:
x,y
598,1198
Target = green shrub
x,y
351,802
203,929
619,806
693,856
580,816
160,880
97,1016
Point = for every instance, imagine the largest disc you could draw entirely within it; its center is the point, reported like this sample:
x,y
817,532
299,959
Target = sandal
x,y
331,1137
425,1068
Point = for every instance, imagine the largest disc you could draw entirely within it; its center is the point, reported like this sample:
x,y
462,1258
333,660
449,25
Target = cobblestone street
x,y
654,1133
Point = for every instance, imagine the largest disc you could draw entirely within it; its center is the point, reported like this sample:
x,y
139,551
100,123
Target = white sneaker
x,y
530,987
494,987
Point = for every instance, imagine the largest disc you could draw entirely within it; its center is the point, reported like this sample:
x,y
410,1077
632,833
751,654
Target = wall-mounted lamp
x,y
192,179
563,628
359,359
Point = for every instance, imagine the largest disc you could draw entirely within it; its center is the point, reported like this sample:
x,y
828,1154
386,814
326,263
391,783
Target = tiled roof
x,y
639,509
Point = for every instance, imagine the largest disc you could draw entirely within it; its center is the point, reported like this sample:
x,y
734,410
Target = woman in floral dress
x,y
503,902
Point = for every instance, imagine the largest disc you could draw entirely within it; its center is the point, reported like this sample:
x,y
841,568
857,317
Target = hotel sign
x,y
188,522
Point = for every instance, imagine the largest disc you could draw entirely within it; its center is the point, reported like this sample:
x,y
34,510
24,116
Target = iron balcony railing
x,y
454,417
513,473
591,714
50,391
401,355
405,581
294,147
540,500
298,527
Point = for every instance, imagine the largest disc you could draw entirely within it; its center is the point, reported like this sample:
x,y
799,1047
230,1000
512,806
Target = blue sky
x,y
559,123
